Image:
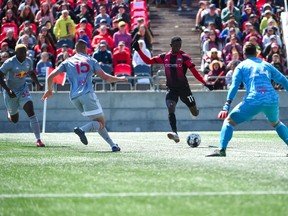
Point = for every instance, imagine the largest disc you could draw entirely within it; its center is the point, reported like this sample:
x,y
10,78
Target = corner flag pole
x,y
45,103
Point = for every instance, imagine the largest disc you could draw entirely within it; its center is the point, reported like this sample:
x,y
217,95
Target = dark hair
x,y
249,49
174,39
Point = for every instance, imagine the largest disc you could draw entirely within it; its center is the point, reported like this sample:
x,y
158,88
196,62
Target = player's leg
x,y
187,98
241,113
12,106
171,102
90,107
34,123
272,114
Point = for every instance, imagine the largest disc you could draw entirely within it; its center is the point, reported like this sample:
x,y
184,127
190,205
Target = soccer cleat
x,y
81,135
115,148
39,143
173,136
218,153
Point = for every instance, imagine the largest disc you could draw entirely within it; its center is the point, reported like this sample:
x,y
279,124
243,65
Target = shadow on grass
x,y
30,146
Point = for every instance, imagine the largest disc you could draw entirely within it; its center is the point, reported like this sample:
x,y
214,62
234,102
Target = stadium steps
x,y
167,22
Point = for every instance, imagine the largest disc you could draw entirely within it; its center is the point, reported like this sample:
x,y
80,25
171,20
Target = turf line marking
x,y
143,194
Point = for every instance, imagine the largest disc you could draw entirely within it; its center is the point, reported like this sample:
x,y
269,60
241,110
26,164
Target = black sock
x,y
172,121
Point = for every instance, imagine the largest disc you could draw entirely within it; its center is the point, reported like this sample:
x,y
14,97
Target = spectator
x,y
62,57
103,35
86,26
44,15
102,15
122,35
123,15
27,14
32,5
246,14
214,75
234,55
89,5
104,57
204,36
233,32
231,24
140,21
83,36
264,21
137,60
212,55
266,51
276,62
10,39
65,27
270,33
228,79
203,9
4,56
31,38
144,34
274,50
50,37
247,30
255,34
9,5
43,64
230,12
44,48
9,17
212,27
212,42
212,16
274,25
121,56
42,39
5,48
115,7
188,3
231,46
60,54
253,19
66,6
84,13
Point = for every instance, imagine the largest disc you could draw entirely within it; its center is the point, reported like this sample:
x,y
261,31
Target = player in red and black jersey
x,y
176,62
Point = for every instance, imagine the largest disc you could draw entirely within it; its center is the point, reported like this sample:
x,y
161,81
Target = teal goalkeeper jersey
x,y
16,72
80,69
256,74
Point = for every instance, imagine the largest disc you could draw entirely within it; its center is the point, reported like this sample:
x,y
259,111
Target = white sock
x,y
104,134
90,127
34,124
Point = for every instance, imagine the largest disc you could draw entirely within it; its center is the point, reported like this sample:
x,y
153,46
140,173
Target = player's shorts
x,y
245,112
88,104
13,104
184,93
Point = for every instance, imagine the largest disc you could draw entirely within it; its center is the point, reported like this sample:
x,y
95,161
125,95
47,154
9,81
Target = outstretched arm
x,y
145,58
49,92
109,78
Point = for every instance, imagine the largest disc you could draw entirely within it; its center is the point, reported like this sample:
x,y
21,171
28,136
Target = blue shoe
x,y
115,148
81,135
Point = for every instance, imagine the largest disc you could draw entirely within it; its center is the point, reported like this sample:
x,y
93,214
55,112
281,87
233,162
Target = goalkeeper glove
x,y
224,112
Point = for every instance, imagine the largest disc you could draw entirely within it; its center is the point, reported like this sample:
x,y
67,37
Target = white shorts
x,y
88,104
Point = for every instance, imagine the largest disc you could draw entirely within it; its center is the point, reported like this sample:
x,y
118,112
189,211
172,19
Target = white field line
x,y
142,194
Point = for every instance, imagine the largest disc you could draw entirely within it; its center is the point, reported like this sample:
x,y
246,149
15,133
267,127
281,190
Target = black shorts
x,y
184,93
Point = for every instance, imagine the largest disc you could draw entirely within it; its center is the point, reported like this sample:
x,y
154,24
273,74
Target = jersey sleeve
x,y
188,62
62,67
6,66
278,77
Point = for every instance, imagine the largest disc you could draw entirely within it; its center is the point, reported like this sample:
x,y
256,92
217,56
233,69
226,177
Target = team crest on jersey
x,y
21,74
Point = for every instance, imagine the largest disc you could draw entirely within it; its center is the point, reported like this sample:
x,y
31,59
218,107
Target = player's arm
x,y
278,77
236,81
50,78
33,76
196,73
145,58
4,86
108,78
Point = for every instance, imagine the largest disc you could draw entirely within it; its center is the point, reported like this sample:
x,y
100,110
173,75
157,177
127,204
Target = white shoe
x,y
188,9
173,136
179,9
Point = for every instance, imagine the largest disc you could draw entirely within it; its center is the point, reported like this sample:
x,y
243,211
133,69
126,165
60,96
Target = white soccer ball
x,y
193,140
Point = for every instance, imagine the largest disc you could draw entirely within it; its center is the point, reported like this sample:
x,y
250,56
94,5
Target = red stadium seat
x,y
33,26
141,13
124,69
134,5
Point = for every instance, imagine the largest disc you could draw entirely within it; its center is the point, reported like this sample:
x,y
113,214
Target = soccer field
x,y
150,176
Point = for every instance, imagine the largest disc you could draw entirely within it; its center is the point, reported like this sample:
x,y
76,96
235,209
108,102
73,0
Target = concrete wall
x,y
131,111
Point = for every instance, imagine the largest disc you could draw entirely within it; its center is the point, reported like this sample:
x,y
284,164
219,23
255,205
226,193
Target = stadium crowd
x,y
50,29
226,27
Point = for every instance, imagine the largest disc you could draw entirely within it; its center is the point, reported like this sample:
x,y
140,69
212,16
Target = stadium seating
x,y
123,69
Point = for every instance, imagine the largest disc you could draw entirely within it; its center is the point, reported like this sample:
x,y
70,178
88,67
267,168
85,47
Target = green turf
x,y
150,176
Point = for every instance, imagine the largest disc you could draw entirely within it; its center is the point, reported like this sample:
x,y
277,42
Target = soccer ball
x,y
193,140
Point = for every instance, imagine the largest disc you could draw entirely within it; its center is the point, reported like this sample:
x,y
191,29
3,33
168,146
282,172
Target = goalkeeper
x,y
256,74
